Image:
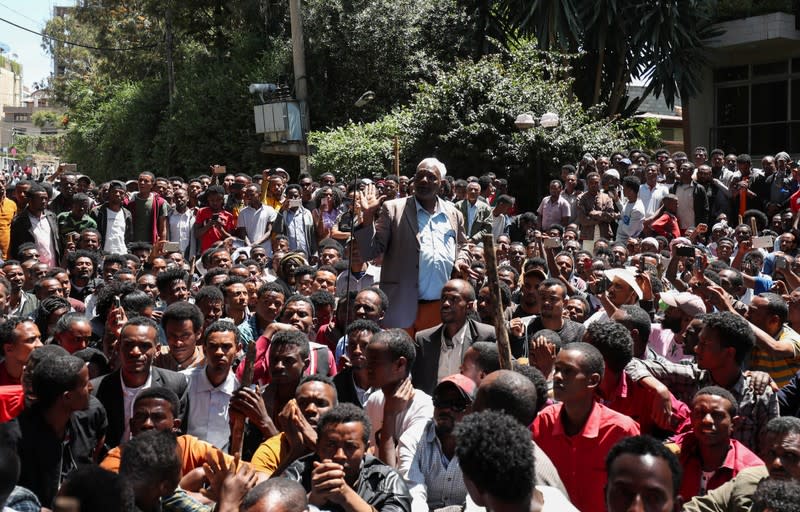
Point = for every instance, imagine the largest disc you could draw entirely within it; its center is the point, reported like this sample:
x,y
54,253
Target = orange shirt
x,y
271,453
192,451
581,459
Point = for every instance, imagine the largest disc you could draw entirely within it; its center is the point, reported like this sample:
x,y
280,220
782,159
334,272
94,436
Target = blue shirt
x,y
437,250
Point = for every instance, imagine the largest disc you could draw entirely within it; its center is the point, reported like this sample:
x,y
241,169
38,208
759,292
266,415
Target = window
x,y
757,108
22,117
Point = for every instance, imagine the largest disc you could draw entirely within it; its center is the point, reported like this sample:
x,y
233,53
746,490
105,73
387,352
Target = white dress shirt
x,y
208,412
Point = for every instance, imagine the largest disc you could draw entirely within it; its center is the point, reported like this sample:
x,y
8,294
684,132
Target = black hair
x,y
165,279
65,322
271,287
487,356
550,282
512,393
47,307
161,393
214,272
291,338
614,342
230,281
632,183
93,356
303,270
646,445
114,258
345,413
135,302
290,494
315,377
141,321
97,489
539,381
776,305
381,294
7,331
783,425
212,293
53,377
551,336
82,253
150,458
182,311
494,451
509,268
107,294
322,298
223,326
723,393
638,319
215,189
732,331
399,343
592,358
773,495
298,298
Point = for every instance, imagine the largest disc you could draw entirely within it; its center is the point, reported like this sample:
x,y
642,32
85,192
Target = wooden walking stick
x,y
237,426
503,346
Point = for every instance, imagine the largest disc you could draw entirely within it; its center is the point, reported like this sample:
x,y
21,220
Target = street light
x,y
364,99
526,121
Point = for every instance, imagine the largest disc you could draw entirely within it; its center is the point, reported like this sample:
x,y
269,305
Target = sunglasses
x,y
453,406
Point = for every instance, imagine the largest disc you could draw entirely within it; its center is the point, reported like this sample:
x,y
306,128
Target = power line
x,y
81,45
18,13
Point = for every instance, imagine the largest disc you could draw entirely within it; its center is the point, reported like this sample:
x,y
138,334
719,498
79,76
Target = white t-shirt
x,y
44,240
115,232
129,396
256,223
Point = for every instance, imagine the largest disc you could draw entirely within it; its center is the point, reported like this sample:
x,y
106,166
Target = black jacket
x,y
100,216
346,387
22,232
108,389
41,453
378,484
428,344
700,202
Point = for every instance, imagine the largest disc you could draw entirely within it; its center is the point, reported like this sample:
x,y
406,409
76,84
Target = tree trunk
x,y
598,76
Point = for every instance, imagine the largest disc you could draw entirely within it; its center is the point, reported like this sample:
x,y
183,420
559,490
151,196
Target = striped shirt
x,y
780,369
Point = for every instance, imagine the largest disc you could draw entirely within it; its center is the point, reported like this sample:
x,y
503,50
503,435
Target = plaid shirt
x,y
684,380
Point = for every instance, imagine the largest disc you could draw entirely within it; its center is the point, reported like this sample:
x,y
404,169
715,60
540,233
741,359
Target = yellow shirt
x,y
8,209
271,453
780,369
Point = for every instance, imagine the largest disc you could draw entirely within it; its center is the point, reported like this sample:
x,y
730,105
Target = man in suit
x,y
423,241
477,214
118,390
37,225
441,349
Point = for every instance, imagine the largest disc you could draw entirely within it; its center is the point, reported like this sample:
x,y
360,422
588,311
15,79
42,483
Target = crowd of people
x,y
236,342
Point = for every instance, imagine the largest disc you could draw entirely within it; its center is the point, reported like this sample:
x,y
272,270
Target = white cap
x,y
626,276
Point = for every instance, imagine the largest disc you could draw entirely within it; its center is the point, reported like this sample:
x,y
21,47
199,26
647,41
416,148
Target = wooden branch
x,y
503,345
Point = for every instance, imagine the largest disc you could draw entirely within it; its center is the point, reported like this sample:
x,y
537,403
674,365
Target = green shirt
x,y
67,223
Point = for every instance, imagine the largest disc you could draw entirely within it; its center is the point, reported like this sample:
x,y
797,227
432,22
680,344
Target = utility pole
x,y
300,78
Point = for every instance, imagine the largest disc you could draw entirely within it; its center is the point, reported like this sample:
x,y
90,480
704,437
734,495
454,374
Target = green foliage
x,y
31,144
466,119
43,118
643,133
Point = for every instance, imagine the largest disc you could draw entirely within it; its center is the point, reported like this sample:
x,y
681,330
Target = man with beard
x,y
682,308
82,265
435,477
718,194
440,349
180,223
149,211
37,225
8,209
315,396
114,222
19,302
117,390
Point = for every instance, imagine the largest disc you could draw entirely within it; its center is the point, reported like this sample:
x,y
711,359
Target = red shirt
x,y
637,401
261,365
12,401
738,458
794,201
666,226
227,220
581,459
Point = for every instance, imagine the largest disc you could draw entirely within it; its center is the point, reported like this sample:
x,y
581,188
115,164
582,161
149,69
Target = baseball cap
x,y
689,303
464,384
626,276
612,172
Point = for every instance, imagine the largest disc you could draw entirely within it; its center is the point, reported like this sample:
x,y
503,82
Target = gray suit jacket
x,y
394,234
428,344
482,223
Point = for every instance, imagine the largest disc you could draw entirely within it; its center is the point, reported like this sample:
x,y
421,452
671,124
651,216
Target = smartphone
x,y
117,303
780,263
172,247
685,250
764,242
295,203
601,286
219,169
215,217
551,243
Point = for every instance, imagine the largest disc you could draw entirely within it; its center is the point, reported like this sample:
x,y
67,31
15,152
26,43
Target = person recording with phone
x,y
296,222
213,223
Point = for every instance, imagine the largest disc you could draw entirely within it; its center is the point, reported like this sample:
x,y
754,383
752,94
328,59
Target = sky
x,y
31,14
